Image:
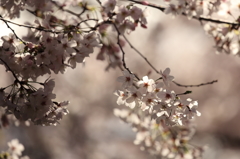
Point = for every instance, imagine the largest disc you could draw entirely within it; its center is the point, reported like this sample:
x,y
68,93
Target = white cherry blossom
x,y
109,5
126,79
146,83
15,148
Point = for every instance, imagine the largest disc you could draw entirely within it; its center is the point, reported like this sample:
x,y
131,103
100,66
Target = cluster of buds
x,y
161,119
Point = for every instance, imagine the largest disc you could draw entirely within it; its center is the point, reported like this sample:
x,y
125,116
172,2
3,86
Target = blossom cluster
x,y
13,8
160,117
189,7
39,54
122,19
226,38
30,104
127,17
53,44
226,35
200,7
14,151
49,53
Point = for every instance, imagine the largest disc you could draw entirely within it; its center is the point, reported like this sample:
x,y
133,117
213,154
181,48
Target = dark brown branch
x,y
8,68
73,13
137,51
46,30
187,92
123,52
178,84
1,18
99,2
198,85
148,4
32,27
68,11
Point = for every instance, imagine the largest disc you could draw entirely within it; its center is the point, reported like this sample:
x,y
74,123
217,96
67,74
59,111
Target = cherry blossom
x,y
154,109
146,83
15,148
109,5
121,97
166,77
126,79
134,97
14,151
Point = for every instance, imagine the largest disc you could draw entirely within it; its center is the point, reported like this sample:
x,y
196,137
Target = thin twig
x,y
47,30
137,51
198,85
32,27
66,10
99,2
71,12
162,9
12,30
6,65
123,53
178,84
187,92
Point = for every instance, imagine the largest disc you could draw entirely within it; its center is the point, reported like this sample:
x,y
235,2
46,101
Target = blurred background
x,y
91,131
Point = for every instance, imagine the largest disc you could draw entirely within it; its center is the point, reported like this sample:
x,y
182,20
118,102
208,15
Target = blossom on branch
x,y
158,116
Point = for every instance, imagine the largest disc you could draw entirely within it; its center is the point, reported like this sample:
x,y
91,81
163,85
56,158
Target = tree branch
x,y
137,51
99,2
8,68
43,29
201,18
123,53
1,18
178,84
198,85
